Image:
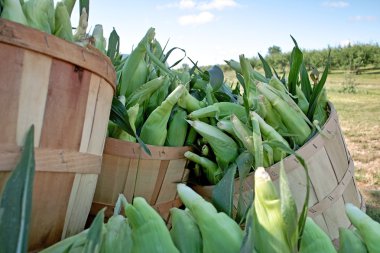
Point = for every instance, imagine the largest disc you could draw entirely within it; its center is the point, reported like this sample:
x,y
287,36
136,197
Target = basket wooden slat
x,y
127,169
66,91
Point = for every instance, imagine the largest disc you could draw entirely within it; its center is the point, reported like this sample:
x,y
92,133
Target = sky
x,y
212,31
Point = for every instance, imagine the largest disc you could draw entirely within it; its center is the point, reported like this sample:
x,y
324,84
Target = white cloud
x,y
335,4
186,4
200,5
198,19
217,4
363,18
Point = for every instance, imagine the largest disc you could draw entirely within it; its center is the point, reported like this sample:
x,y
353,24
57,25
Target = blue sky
x,y
215,30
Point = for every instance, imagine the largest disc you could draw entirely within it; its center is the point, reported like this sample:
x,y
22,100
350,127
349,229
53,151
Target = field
x,y
359,115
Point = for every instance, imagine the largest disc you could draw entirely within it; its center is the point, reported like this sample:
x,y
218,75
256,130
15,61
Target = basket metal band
x,y
52,160
337,193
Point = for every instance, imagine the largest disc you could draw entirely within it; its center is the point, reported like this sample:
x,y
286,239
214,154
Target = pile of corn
x,y
272,226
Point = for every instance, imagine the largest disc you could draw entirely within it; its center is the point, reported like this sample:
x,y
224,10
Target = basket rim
x,y
133,150
28,38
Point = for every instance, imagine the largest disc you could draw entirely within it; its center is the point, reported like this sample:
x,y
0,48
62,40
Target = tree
x,y
274,50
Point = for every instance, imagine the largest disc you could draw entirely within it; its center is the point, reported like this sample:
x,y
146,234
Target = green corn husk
x,y
269,133
100,41
191,137
350,242
132,117
154,130
177,129
219,232
63,23
268,222
302,102
80,32
185,231
314,239
223,146
295,124
70,5
118,238
190,103
149,232
67,244
320,112
220,110
12,10
368,229
158,97
210,169
40,14
135,69
272,117
145,91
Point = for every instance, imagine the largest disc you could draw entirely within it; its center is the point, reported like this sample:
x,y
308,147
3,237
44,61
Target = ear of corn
x,y
154,129
118,238
350,242
210,169
223,146
314,239
185,231
70,5
62,23
268,224
228,237
320,113
243,133
272,117
220,110
177,129
295,124
100,41
191,137
80,32
269,133
149,232
132,116
145,91
12,10
135,70
67,244
367,228
40,14
190,103
157,97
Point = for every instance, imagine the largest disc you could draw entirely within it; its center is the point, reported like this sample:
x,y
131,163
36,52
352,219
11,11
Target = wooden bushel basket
x,y
331,172
127,169
66,91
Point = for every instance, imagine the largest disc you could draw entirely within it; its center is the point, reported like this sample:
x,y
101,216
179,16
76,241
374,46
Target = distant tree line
x,y
351,57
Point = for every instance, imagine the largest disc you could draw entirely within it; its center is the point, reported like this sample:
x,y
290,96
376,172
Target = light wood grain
x,y
80,203
90,112
102,112
33,94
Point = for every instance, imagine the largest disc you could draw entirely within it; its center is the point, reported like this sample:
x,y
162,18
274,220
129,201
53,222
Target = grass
x,y
359,115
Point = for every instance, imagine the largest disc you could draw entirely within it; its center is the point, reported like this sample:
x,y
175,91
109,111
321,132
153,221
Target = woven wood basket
x,y
66,92
331,172
127,169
